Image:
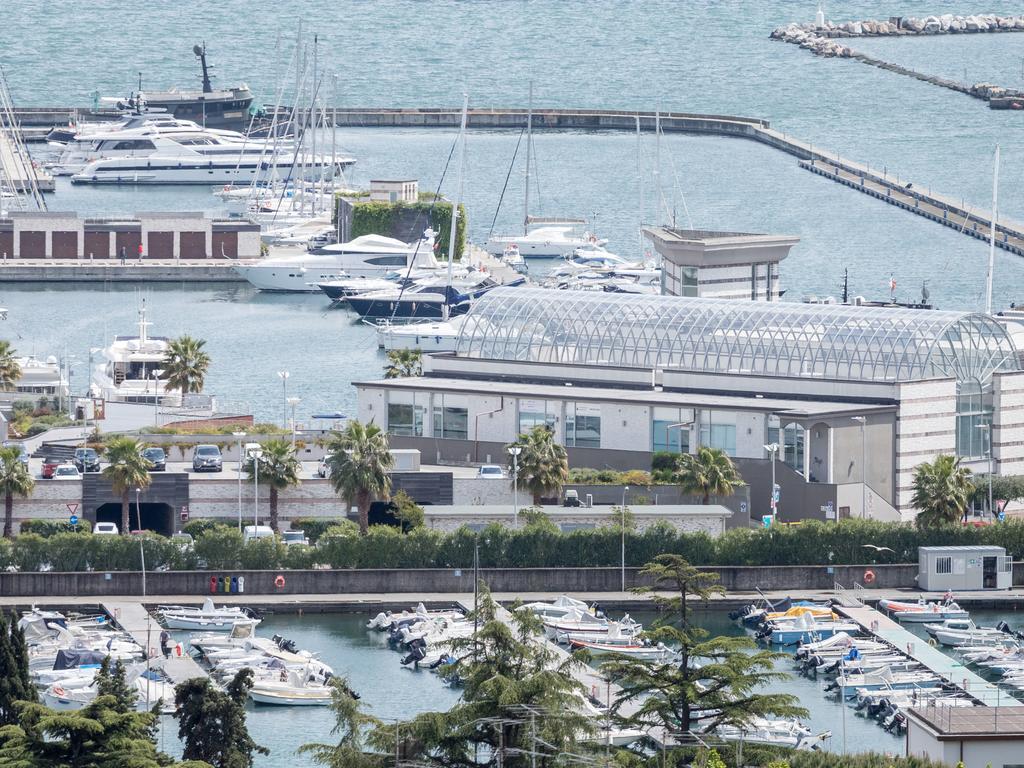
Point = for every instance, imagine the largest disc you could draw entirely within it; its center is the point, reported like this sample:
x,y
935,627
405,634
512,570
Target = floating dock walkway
x,y
949,669
133,618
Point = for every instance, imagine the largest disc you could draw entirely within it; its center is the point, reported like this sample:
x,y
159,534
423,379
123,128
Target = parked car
x,y
182,540
66,472
157,459
294,537
207,458
50,465
253,532
105,529
87,460
22,450
491,472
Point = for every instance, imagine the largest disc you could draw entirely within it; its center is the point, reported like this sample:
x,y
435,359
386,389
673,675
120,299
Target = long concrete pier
x,y
132,617
940,208
112,271
949,669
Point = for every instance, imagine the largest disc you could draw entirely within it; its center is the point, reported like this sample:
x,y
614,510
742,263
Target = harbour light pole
x,y
863,421
142,549
622,525
239,435
773,450
256,454
514,451
283,375
293,401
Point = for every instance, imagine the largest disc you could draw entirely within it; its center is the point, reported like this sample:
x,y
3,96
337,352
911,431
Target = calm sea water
x,y
390,691
697,56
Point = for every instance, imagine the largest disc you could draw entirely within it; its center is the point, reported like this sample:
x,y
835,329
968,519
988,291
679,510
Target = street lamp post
x,y
239,435
773,450
514,451
988,428
283,375
863,421
142,550
256,454
622,525
293,401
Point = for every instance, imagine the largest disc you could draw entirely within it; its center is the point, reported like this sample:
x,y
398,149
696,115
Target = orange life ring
x,y
279,581
869,576
58,690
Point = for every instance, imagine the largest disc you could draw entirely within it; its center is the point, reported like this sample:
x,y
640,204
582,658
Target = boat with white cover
x,y
960,632
780,733
557,608
659,653
207,618
575,621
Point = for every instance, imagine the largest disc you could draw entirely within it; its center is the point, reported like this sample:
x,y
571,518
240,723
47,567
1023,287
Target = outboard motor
x,y
765,631
740,613
1002,626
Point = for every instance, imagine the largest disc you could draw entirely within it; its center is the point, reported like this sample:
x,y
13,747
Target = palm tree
x,y
186,364
357,464
942,492
403,364
709,472
543,464
15,480
127,469
279,468
10,371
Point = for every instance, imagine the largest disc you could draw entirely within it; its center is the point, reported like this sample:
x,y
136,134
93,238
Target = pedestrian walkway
x,y
133,618
946,667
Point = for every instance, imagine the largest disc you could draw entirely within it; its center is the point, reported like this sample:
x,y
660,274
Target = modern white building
x,y
720,265
847,393
976,737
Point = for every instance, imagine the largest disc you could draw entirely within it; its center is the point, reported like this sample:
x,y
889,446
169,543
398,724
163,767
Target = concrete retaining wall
x,y
432,581
113,272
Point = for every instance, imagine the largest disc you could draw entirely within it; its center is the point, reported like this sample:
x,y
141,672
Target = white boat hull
x,y
282,699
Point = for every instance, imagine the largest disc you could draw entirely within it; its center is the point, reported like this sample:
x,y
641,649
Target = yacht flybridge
x,y
132,368
295,270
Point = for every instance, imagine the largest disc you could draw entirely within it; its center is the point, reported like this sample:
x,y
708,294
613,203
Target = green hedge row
x,y
220,547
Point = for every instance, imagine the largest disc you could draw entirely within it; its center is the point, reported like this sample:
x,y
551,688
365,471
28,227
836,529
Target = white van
x,y
253,532
105,529
294,537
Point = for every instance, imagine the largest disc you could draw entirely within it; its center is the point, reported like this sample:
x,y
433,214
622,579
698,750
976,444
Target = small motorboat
x,y
923,610
562,605
960,632
659,653
207,618
575,621
291,690
386,620
780,733
512,257
848,685
804,629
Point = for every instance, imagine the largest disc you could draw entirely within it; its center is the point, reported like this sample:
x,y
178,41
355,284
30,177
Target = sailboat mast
x,y
314,201
334,137
455,205
529,151
640,185
992,236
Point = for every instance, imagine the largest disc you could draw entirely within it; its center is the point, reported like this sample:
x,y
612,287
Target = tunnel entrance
x,y
156,517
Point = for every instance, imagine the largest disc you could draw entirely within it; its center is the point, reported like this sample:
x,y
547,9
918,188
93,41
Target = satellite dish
x,y
197,50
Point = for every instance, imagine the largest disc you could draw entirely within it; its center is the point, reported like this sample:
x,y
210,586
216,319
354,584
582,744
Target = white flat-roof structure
x,y
847,392
977,737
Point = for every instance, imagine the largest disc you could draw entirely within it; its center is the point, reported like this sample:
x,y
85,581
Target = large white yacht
x,y
131,368
553,240
300,271
208,159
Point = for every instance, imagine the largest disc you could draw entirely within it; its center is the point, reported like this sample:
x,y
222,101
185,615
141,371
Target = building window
x,y
719,436
943,564
973,409
536,413
582,425
792,446
451,417
666,435
405,419
688,281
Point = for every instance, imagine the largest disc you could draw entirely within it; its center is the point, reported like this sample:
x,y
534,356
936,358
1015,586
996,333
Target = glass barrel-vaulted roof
x,y
829,341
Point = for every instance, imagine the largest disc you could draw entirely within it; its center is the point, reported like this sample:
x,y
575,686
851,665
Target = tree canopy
x,y
211,722
942,492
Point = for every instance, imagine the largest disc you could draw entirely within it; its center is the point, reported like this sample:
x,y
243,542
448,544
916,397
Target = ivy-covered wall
x,y
406,222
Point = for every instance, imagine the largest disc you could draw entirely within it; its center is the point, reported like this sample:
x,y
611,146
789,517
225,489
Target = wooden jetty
x,y
133,618
949,669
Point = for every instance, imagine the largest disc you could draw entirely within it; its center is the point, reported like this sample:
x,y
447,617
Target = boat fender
x,y
931,642
179,651
279,581
869,576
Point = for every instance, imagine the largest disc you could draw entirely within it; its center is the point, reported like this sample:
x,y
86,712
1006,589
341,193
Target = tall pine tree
x,y
15,684
212,722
